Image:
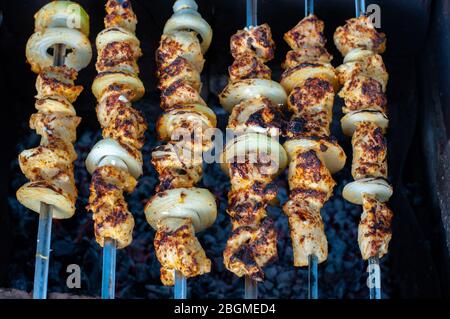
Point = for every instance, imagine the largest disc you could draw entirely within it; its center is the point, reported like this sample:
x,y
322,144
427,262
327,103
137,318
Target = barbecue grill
x,y
416,58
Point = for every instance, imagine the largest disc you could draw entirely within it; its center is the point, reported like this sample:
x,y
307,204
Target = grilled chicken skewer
x,y
364,79
179,209
314,155
115,162
253,158
51,191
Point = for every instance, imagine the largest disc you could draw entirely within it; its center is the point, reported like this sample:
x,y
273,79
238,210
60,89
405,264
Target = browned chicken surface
x,y
183,126
120,14
120,122
111,216
369,151
177,248
364,79
374,231
310,100
254,41
359,33
58,80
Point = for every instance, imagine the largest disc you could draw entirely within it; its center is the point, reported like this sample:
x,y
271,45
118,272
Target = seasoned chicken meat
x,y
255,41
374,231
177,248
359,33
111,216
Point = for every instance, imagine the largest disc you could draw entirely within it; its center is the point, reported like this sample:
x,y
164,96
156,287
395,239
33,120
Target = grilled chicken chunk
x,y
374,231
369,151
254,41
120,121
118,56
307,232
370,66
174,170
177,248
180,44
58,80
359,33
307,33
248,66
120,14
249,249
180,92
179,70
111,216
307,54
363,93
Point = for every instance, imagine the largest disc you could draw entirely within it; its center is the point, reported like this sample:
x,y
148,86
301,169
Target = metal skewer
x,y
374,262
251,286
313,261
180,288
45,219
109,269
360,7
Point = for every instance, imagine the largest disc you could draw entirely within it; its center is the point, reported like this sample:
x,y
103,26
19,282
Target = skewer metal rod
x,y
45,219
360,7
374,281
252,13
251,288
180,288
313,277
109,269
309,7
43,252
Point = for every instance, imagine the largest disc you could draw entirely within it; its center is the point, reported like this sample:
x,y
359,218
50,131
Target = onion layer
x,y
40,42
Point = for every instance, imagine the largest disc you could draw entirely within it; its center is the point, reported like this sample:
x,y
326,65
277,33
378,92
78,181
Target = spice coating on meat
x,y
364,79
374,231
255,41
120,122
111,216
177,248
369,151
184,126
359,33
311,98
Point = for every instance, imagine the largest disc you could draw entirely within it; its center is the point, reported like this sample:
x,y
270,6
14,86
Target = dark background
x,y
417,60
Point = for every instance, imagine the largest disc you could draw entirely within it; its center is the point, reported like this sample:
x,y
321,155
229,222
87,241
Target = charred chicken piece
x,y
248,66
177,248
58,80
111,216
255,41
369,151
363,93
374,231
249,249
307,33
359,33
120,14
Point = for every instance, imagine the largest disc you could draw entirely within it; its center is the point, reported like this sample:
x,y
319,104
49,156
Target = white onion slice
x,y
238,91
357,54
349,121
295,77
110,147
115,34
186,18
63,14
40,42
254,143
197,204
104,80
354,191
